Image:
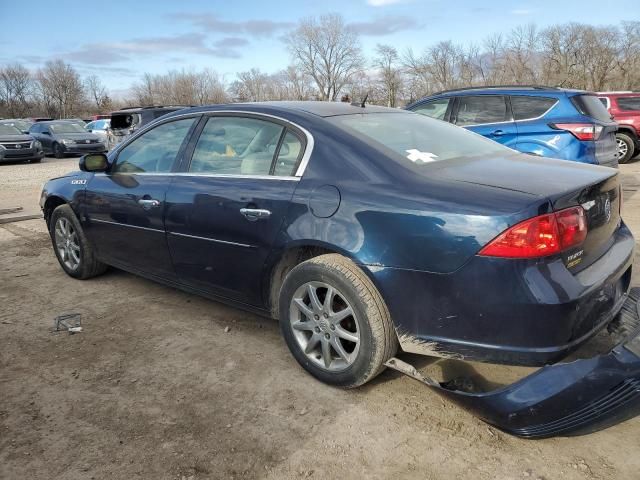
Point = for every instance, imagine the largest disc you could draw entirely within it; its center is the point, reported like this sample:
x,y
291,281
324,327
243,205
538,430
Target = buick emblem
x,y
607,209
18,146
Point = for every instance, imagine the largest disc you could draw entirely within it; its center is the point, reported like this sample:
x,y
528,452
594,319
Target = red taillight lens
x,y
582,131
540,236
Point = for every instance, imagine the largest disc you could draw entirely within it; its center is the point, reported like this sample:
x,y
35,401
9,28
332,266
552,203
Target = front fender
x,y
69,189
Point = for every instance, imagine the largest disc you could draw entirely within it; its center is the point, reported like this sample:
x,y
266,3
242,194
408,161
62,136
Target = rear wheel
x,y
72,248
58,151
335,322
624,147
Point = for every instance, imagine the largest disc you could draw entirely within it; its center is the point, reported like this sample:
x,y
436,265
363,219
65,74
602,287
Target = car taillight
x,y
582,131
540,236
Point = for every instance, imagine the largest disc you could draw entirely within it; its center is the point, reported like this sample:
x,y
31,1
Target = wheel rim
x,y
325,326
621,148
67,243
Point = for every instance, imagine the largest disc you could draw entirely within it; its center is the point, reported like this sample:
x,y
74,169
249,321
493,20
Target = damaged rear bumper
x,y
561,399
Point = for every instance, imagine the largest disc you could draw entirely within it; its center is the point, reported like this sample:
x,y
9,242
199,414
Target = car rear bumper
x,y
563,399
519,312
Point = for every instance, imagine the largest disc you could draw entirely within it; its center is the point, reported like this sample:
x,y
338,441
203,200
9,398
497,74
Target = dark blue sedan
x,y
365,231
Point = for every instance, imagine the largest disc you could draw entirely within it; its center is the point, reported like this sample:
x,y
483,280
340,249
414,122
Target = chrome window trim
x,y
299,171
212,175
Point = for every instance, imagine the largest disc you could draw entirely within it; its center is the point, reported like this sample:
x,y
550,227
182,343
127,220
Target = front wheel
x,y
72,248
58,151
624,147
335,321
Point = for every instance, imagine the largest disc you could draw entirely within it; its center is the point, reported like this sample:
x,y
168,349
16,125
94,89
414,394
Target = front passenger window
x,y
155,151
434,109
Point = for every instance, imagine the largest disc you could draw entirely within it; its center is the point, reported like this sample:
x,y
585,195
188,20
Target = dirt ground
x,y
155,387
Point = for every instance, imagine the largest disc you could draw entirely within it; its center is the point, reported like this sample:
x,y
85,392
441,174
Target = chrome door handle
x,y
148,203
253,214
497,133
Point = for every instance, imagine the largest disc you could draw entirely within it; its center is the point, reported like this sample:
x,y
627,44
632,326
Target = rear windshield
x,y
591,106
418,138
9,130
629,103
124,120
66,127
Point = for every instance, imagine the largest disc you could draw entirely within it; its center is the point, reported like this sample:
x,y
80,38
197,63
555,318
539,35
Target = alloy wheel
x,y
325,326
621,148
66,239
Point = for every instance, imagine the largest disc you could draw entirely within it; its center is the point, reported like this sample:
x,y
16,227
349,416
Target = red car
x,y
625,109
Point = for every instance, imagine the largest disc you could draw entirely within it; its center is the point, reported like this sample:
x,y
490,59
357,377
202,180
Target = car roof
x,y
510,90
618,94
318,108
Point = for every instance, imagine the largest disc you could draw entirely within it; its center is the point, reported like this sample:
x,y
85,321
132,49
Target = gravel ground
x,y
165,385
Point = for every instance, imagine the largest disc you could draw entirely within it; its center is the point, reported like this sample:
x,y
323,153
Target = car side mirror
x,y
94,162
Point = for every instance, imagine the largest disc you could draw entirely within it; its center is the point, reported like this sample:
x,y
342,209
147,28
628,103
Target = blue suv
x,y
544,121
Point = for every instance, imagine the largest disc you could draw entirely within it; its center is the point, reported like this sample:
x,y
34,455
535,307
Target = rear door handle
x,y
497,133
148,203
253,214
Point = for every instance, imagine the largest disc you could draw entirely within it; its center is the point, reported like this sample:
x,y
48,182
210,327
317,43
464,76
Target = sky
x,y
121,40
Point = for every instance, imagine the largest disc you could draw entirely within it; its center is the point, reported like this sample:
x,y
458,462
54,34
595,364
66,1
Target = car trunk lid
x,y
559,184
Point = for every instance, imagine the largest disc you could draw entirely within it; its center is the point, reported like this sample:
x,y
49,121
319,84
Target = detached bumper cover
x,y
562,399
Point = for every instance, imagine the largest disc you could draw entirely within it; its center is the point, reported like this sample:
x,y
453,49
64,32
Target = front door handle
x,y
497,133
148,203
253,214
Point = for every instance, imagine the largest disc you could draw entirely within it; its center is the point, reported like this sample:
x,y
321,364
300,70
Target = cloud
x,y
194,43
212,23
383,3
385,26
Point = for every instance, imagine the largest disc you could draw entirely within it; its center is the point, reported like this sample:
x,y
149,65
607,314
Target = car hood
x,y
77,136
15,138
545,177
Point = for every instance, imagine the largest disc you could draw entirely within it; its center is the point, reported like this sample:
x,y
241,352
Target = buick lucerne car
x,y
369,231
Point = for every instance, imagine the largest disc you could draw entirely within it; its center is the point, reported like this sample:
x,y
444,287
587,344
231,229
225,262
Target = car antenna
x,y
361,104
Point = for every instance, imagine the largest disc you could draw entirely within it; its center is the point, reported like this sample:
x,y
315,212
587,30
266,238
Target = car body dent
x,y
572,398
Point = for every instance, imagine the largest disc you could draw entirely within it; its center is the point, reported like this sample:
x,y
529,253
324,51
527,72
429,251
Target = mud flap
x,y
561,399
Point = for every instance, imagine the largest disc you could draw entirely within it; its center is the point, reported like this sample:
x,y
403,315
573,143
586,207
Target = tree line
x,y
328,63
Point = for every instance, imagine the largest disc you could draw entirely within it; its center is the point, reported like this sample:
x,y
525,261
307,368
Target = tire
x,y
58,152
370,323
88,265
35,160
626,143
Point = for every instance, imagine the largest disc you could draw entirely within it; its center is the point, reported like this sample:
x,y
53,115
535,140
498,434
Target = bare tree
x,y
98,93
60,88
386,61
16,90
328,51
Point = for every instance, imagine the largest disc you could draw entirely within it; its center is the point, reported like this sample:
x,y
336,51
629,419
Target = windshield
x,y
9,130
417,138
66,127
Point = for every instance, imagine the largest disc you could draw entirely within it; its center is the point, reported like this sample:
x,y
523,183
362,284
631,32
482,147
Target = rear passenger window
x,y
236,146
478,110
527,107
434,109
288,155
629,103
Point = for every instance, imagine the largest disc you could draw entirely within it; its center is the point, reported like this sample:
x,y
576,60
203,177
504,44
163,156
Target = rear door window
x,y
591,106
629,103
434,109
481,109
236,146
528,107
